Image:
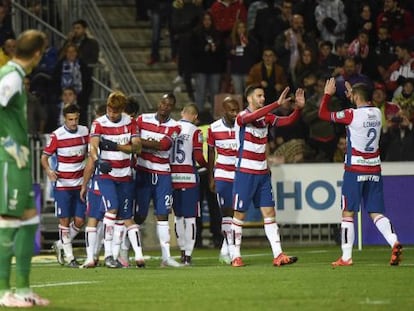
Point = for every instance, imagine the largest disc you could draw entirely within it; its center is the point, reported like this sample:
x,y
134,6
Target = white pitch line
x,y
368,301
64,284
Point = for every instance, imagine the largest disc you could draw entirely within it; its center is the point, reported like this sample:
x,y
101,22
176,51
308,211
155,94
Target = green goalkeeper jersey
x,y
13,107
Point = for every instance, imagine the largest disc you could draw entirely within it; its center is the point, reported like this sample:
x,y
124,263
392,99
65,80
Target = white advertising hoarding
x,y
311,193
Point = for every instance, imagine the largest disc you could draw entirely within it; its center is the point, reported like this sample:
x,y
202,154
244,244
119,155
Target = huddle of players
x,y
133,161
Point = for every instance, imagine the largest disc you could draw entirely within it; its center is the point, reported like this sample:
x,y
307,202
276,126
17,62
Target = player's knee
x,y
139,219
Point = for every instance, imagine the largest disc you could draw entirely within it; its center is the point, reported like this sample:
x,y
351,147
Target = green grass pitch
x,y
310,284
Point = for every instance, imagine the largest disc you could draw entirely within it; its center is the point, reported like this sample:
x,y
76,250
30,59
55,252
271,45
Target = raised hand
x,y
348,91
282,98
300,98
330,87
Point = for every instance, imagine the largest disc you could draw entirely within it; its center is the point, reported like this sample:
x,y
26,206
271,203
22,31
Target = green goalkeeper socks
x,y
24,247
6,253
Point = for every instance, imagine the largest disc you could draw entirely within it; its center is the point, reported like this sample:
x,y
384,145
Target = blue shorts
x,y
117,195
186,202
252,189
94,205
360,188
224,190
68,204
157,187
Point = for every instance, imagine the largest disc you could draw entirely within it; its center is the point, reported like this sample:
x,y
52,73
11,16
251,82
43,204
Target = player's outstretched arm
x,y
330,89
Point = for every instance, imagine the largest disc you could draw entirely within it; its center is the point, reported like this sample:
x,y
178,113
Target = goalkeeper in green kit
x,y
18,216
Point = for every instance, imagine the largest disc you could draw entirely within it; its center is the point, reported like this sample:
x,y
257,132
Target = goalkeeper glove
x,y
106,144
19,153
103,166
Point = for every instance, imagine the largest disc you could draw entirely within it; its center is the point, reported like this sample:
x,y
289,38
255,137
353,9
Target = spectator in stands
x,y
401,69
379,99
7,51
36,112
208,49
352,76
160,15
225,13
6,29
406,99
72,72
364,21
305,65
397,139
88,47
340,151
399,21
269,75
383,53
242,55
330,63
290,43
252,12
322,134
268,24
359,47
49,60
331,20
185,16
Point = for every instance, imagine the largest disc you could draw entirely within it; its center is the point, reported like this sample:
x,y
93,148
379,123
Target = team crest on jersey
x,y
340,115
200,137
174,135
93,126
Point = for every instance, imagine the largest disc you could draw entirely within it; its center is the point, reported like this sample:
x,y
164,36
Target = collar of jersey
x,y
18,67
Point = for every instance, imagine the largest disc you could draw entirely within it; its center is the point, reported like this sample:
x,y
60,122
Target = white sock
x,y
385,227
190,234
347,237
99,239
135,239
236,229
180,231
109,223
272,233
119,231
163,232
90,239
73,230
66,243
226,229
126,242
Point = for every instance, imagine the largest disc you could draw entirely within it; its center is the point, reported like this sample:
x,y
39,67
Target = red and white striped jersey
x,y
221,136
183,166
150,128
71,151
120,132
251,139
363,126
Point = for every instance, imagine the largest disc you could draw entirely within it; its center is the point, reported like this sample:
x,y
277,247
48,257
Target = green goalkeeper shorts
x,y
16,192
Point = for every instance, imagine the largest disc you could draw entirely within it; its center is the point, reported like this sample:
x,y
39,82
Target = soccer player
x,y
91,195
153,172
69,143
18,216
113,161
362,180
186,151
222,144
252,183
